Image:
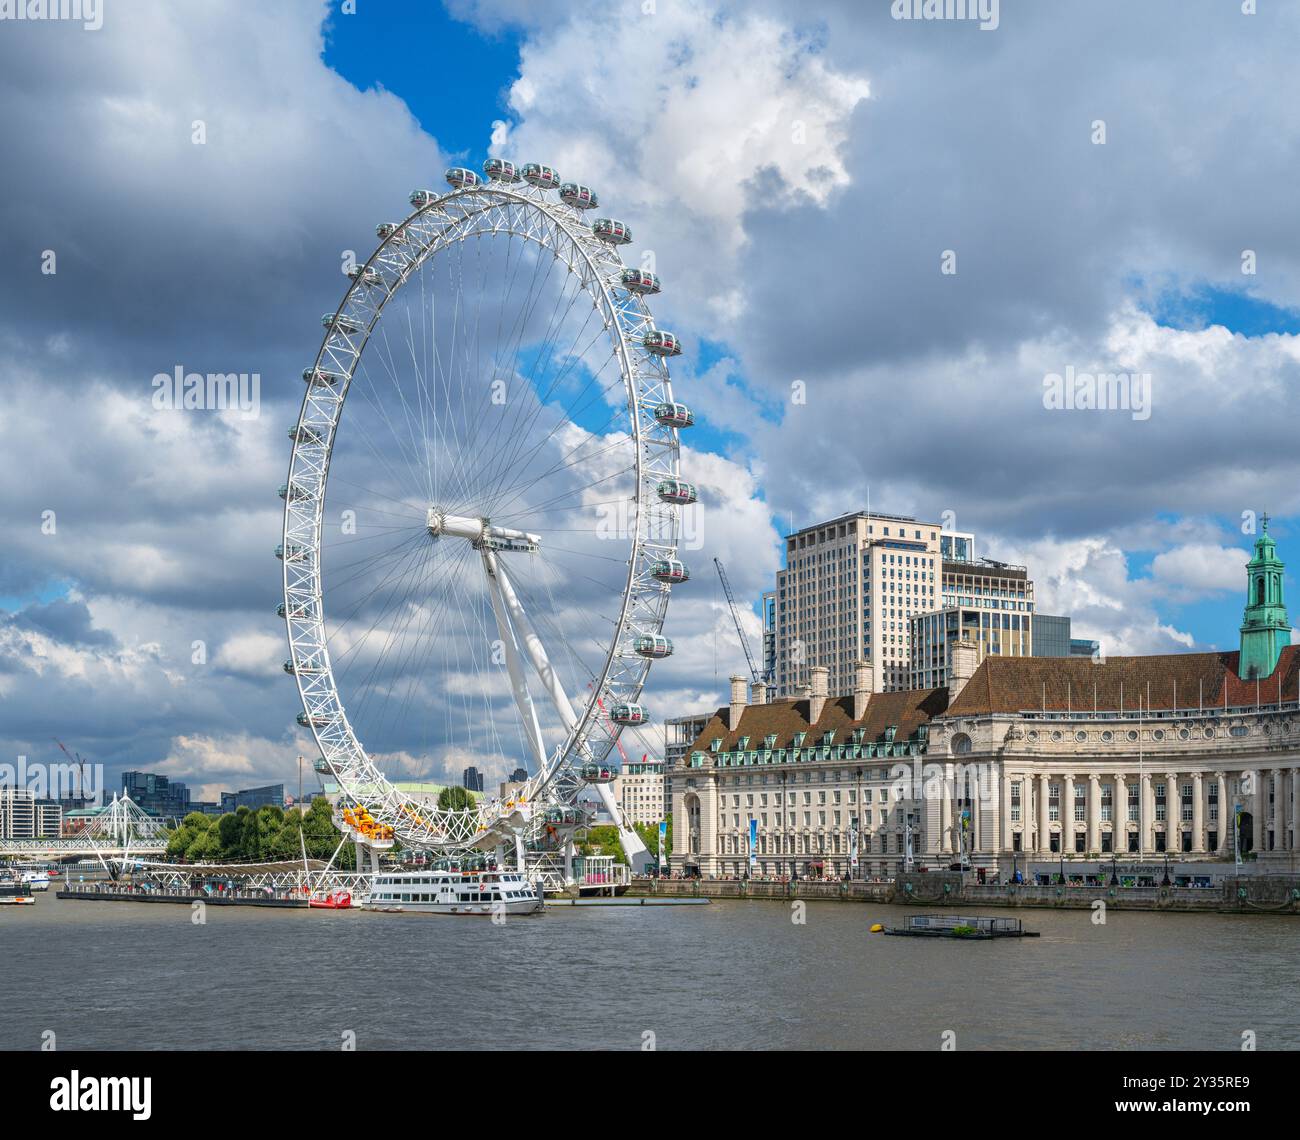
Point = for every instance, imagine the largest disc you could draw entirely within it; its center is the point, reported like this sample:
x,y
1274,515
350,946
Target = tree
x,y
455,798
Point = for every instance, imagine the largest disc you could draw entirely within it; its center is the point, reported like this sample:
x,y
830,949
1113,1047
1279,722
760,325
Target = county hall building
x,y
1018,760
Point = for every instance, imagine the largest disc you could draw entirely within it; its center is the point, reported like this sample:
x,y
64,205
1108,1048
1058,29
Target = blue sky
x,y
468,91
452,76
795,178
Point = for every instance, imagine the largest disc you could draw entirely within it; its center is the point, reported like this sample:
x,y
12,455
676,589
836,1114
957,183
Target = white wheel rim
x,y
518,214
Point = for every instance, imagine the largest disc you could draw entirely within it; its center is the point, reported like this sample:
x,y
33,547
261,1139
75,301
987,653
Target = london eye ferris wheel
x,y
477,559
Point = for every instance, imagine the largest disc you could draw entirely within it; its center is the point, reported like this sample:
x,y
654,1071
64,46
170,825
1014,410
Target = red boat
x,y
335,900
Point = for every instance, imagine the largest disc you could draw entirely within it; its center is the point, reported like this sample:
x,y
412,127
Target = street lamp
x,y
1114,869
1165,881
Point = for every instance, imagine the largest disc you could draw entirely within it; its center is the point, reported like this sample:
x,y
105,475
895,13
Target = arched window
x,y
960,744
1259,590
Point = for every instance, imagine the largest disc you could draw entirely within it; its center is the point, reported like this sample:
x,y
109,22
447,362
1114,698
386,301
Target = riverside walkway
x,y
1253,895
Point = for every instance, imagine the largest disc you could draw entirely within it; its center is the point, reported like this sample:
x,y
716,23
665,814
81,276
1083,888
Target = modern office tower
x,y
848,590
986,602
157,794
1051,636
253,798
957,546
472,779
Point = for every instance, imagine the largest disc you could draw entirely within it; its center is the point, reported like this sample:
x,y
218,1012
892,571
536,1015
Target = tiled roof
x,y
1019,684
905,710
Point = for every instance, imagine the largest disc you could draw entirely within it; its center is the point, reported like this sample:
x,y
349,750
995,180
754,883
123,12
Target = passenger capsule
x,y
639,281
661,343
599,773
337,322
676,491
321,378
363,276
611,230
320,764
499,170
674,415
565,816
303,670
670,570
543,177
290,553
386,230
291,495
298,611
421,198
304,433
578,196
629,714
312,721
654,646
460,177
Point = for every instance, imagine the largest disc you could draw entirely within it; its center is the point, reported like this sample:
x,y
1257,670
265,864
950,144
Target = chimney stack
x,y
759,693
737,702
862,688
963,660
817,693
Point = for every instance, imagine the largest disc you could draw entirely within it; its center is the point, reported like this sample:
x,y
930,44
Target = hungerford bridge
x,y
121,831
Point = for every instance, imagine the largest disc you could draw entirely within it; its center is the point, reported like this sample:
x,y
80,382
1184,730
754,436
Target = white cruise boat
x,y
454,892
37,880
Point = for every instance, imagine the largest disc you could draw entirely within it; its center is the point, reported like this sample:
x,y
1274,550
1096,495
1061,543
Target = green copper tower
x,y
1264,628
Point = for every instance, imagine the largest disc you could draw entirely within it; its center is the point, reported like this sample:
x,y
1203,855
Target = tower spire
x,y
1264,628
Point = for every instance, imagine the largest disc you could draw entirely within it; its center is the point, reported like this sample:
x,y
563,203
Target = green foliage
x,y
269,834
455,798
603,840
963,931
649,833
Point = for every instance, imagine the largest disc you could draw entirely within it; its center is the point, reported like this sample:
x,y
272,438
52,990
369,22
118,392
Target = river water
x,y
728,975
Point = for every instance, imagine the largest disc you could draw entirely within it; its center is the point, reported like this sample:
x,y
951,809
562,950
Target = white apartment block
x,y
639,790
23,816
848,590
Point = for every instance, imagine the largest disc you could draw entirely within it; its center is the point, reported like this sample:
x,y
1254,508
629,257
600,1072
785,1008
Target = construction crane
x,y
81,771
735,616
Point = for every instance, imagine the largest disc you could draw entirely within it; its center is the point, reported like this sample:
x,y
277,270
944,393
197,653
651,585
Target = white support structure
x,y
646,421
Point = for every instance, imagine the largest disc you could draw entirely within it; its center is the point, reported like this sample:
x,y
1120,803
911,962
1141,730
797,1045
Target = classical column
x,y
1279,814
1258,822
946,844
1294,808
1119,815
1094,813
1224,823
1198,814
1044,823
1147,812
1067,812
1173,814
1004,810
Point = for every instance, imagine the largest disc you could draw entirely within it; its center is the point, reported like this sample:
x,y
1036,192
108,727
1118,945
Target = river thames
x,y
730,975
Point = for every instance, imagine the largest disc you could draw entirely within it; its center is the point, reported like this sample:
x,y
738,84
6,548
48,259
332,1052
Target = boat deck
x,y
969,927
